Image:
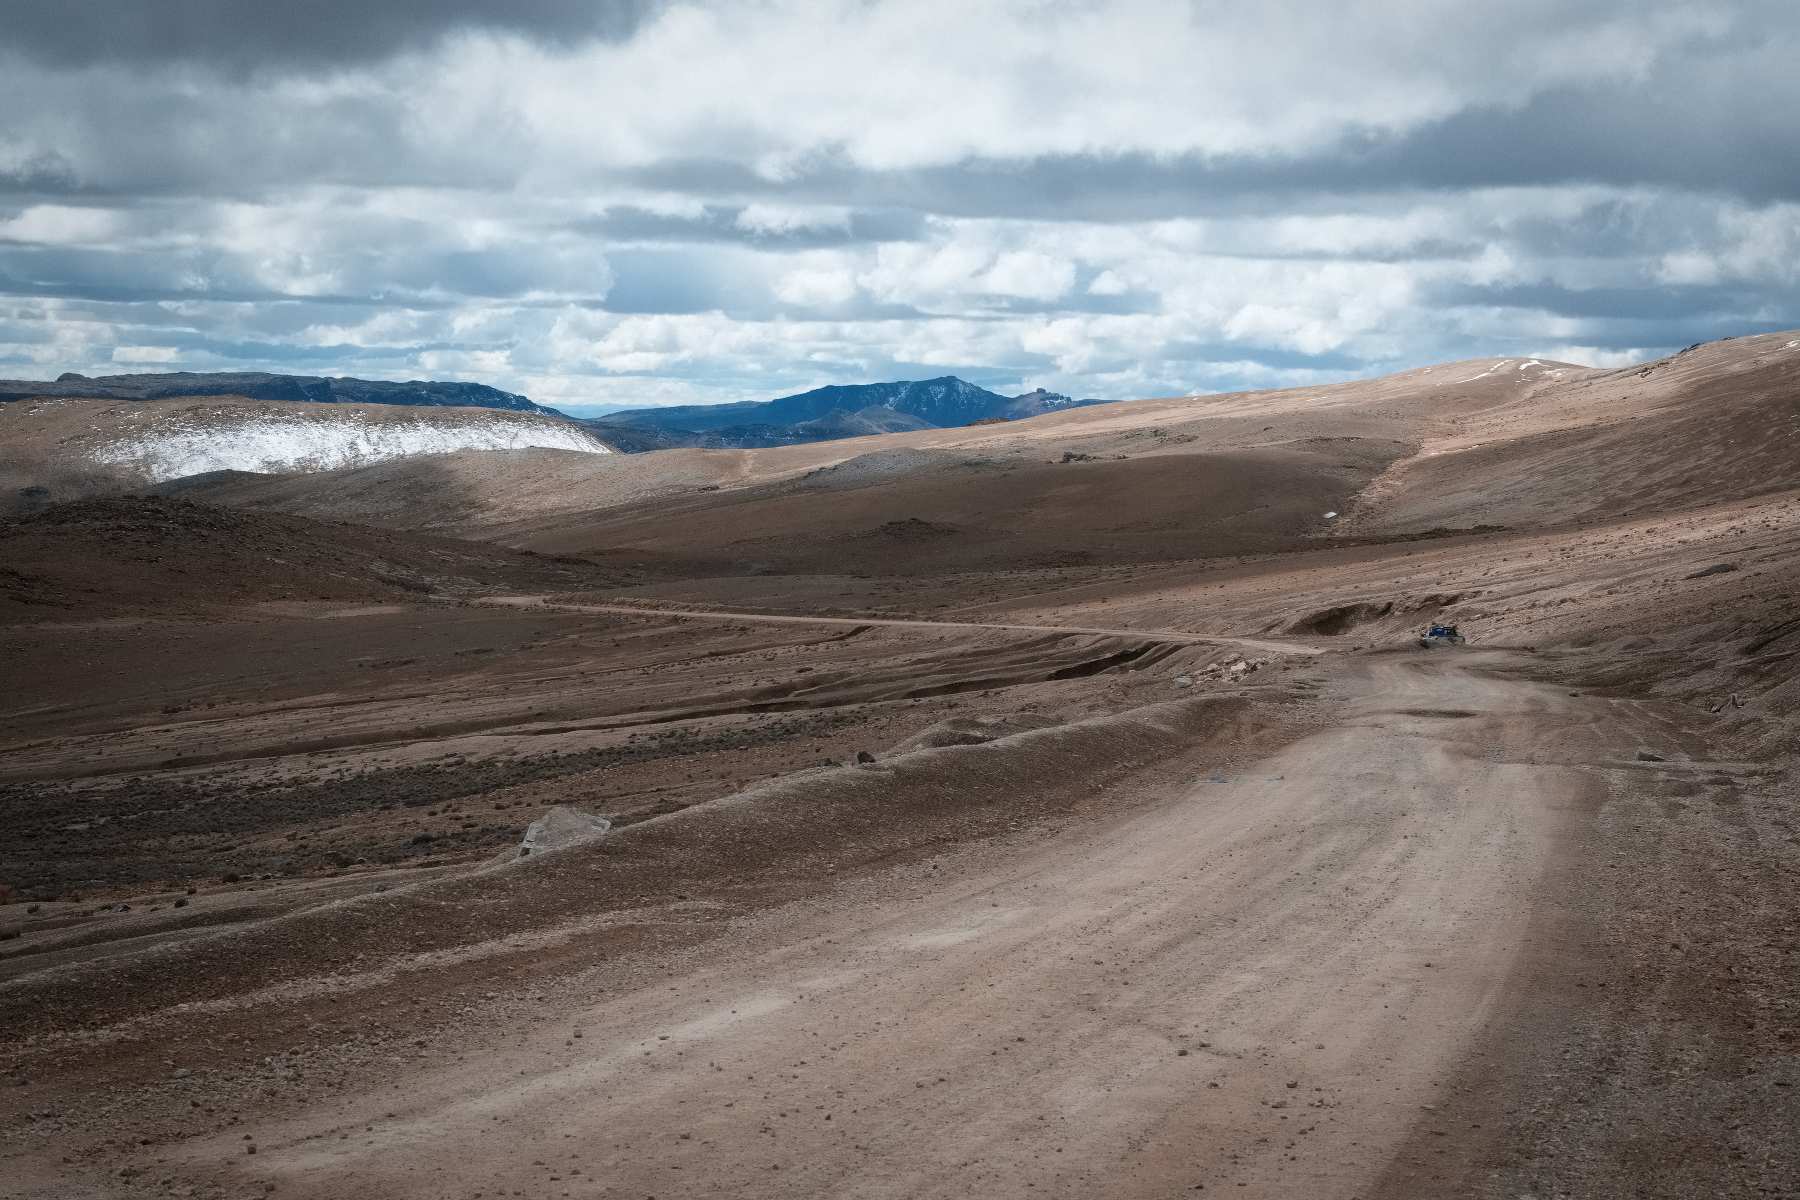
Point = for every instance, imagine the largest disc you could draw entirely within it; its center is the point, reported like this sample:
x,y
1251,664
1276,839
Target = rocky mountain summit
x,y
827,413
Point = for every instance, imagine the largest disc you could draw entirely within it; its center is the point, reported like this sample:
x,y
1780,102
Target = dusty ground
x,y
1170,864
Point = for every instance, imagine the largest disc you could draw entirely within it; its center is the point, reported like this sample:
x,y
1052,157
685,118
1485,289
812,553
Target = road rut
x,y
1258,980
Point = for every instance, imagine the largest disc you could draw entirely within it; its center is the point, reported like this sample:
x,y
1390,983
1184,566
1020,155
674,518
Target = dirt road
x,y
1253,981
1254,645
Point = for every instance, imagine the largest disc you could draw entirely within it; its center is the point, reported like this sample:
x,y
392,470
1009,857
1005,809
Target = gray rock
x,y
563,826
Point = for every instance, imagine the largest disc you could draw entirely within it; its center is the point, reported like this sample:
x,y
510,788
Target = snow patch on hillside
x,y
277,442
1495,369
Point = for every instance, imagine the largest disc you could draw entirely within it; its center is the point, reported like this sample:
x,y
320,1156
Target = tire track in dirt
x,y
1255,979
1256,645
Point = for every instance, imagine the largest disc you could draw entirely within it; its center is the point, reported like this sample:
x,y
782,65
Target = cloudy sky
x,y
614,202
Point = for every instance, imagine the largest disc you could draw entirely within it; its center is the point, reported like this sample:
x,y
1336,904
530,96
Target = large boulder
x,y
563,826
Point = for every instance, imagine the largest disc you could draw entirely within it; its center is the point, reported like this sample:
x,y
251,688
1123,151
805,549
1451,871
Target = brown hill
x,y
958,513
1715,422
138,555
1513,442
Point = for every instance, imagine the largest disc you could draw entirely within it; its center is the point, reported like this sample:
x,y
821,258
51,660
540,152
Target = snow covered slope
x,y
83,446
270,440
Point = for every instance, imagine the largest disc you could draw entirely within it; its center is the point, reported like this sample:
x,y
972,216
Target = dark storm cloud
x,y
1637,303
115,138
414,274
725,223
1718,121
1715,119
1608,226
1122,187
240,35
1662,134
84,274
1645,315
1610,138
45,172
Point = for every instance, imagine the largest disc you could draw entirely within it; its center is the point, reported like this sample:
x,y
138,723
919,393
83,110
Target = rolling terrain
x,y
1060,807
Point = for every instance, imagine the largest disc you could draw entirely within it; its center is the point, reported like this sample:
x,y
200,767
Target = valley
x,y
1059,806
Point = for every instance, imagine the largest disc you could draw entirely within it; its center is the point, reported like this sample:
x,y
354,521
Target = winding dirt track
x,y
1183,637
1252,980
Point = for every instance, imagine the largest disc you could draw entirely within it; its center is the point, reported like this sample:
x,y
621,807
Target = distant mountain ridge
x,y
825,414
263,385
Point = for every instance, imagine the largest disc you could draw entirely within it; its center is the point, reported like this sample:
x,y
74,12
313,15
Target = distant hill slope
x,y
260,385
1714,423
826,414
54,449
1512,442
151,554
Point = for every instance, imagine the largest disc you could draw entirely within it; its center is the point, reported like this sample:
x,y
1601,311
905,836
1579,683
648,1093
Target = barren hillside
x,y
1050,808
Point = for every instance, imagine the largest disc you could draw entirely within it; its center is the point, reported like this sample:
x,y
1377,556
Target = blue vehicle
x,y
1441,635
